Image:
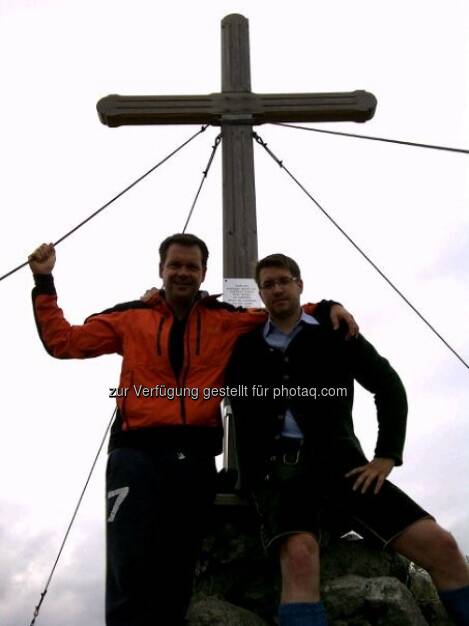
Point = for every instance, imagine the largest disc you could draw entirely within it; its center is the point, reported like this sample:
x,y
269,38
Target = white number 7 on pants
x,y
121,496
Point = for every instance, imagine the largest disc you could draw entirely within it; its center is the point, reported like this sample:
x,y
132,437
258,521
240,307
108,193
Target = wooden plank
x,y
239,194
237,108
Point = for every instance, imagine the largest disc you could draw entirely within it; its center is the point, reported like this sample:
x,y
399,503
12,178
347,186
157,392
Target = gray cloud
x,y
76,592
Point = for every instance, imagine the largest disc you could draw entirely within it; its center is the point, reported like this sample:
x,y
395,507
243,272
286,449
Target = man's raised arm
x,y
62,340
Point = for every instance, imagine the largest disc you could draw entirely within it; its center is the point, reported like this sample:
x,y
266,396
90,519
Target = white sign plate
x,y
241,292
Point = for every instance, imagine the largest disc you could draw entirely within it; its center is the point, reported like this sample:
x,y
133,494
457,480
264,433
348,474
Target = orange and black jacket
x,y
141,333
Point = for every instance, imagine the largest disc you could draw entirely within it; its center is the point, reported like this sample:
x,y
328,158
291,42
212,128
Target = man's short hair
x,y
183,239
278,260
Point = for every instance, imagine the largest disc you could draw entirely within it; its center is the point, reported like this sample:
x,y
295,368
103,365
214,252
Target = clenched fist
x,y
42,260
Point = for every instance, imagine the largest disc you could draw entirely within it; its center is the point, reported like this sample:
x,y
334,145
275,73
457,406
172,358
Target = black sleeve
x,y
376,375
323,312
43,285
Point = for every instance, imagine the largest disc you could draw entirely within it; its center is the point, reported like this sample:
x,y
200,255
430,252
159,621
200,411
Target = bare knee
x,y
299,556
445,562
429,545
443,548
299,560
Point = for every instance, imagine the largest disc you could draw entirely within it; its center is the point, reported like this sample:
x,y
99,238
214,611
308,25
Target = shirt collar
x,y
305,318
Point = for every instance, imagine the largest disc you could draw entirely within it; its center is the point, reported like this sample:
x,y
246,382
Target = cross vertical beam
x,y
239,194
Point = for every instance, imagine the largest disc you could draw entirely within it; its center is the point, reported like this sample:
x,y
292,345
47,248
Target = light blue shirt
x,y
276,338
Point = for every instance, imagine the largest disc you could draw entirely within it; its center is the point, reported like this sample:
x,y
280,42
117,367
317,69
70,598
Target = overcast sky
x,y
406,207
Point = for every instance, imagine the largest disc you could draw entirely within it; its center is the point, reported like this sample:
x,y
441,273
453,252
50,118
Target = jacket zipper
x,y
181,381
185,370
158,336
125,421
187,353
199,333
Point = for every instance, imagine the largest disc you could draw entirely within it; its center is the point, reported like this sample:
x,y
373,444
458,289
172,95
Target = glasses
x,y
267,285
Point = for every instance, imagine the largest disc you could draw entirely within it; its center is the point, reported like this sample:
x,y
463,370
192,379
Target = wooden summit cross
x,y
237,109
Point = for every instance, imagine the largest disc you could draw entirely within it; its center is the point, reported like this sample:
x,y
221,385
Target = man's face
x,y
182,273
280,291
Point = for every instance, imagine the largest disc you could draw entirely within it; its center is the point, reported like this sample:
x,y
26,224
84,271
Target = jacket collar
x,y
202,296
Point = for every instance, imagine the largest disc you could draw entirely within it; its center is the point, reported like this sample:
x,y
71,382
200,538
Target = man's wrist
x,y
44,284
389,459
322,311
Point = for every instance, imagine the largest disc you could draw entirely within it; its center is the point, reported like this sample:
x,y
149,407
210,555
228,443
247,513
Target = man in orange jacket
x,y
167,431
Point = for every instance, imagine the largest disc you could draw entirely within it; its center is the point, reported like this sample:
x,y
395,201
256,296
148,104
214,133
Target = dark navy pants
x,y
157,508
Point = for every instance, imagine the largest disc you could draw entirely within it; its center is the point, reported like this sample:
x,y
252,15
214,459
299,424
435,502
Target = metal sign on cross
x,y
237,109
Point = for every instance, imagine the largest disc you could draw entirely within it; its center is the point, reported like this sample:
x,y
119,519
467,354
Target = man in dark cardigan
x,y
300,458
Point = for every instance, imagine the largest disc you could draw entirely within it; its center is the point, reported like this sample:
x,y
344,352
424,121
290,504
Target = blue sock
x,y
302,614
456,602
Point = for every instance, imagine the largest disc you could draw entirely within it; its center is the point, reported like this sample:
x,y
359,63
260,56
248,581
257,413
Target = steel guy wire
x,y
355,136
261,142
204,176
43,594
121,193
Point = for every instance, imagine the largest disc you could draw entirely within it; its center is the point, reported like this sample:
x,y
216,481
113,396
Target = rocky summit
x,y
362,585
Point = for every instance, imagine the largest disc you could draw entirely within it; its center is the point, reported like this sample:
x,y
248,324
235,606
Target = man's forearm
x,y
59,337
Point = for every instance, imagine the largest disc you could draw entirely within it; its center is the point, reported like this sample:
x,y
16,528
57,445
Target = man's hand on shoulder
x,y
149,294
376,470
42,260
338,315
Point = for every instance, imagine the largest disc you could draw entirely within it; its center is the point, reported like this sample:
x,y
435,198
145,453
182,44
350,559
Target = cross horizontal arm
x,y
354,106
237,108
115,110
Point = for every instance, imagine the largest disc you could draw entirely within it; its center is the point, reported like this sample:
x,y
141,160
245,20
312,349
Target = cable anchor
x,y
204,176
261,142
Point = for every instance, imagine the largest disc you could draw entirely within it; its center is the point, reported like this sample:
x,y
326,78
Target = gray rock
x,y
382,601
362,585
351,622
426,595
421,585
209,611
342,557
233,566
